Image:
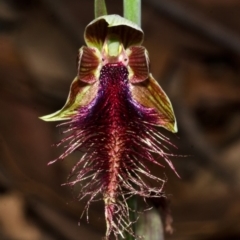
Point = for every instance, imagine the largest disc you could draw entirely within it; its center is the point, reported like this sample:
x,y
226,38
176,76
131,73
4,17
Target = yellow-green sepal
x,y
80,95
151,95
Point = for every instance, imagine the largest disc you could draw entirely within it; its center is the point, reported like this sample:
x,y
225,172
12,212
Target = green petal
x,y
138,64
80,95
150,94
96,32
89,64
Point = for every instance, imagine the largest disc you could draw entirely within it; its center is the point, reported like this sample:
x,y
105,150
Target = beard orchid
x,y
112,115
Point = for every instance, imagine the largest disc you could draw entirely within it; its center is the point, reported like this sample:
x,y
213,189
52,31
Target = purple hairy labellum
x,y
112,114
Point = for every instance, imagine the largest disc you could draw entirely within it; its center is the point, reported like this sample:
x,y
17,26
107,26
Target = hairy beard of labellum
x,y
117,137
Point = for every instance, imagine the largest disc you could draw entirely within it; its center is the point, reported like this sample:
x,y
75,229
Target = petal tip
x,y
175,128
53,117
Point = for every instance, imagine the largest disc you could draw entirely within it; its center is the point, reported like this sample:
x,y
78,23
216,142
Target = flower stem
x,y
100,8
132,11
132,205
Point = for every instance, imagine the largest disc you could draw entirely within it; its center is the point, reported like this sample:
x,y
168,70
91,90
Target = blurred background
x,y
194,48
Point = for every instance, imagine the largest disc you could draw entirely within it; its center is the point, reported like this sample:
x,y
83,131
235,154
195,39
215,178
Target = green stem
x,y
132,11
100,8
132,204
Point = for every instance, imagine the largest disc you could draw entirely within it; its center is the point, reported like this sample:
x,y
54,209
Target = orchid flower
x,y
113,113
